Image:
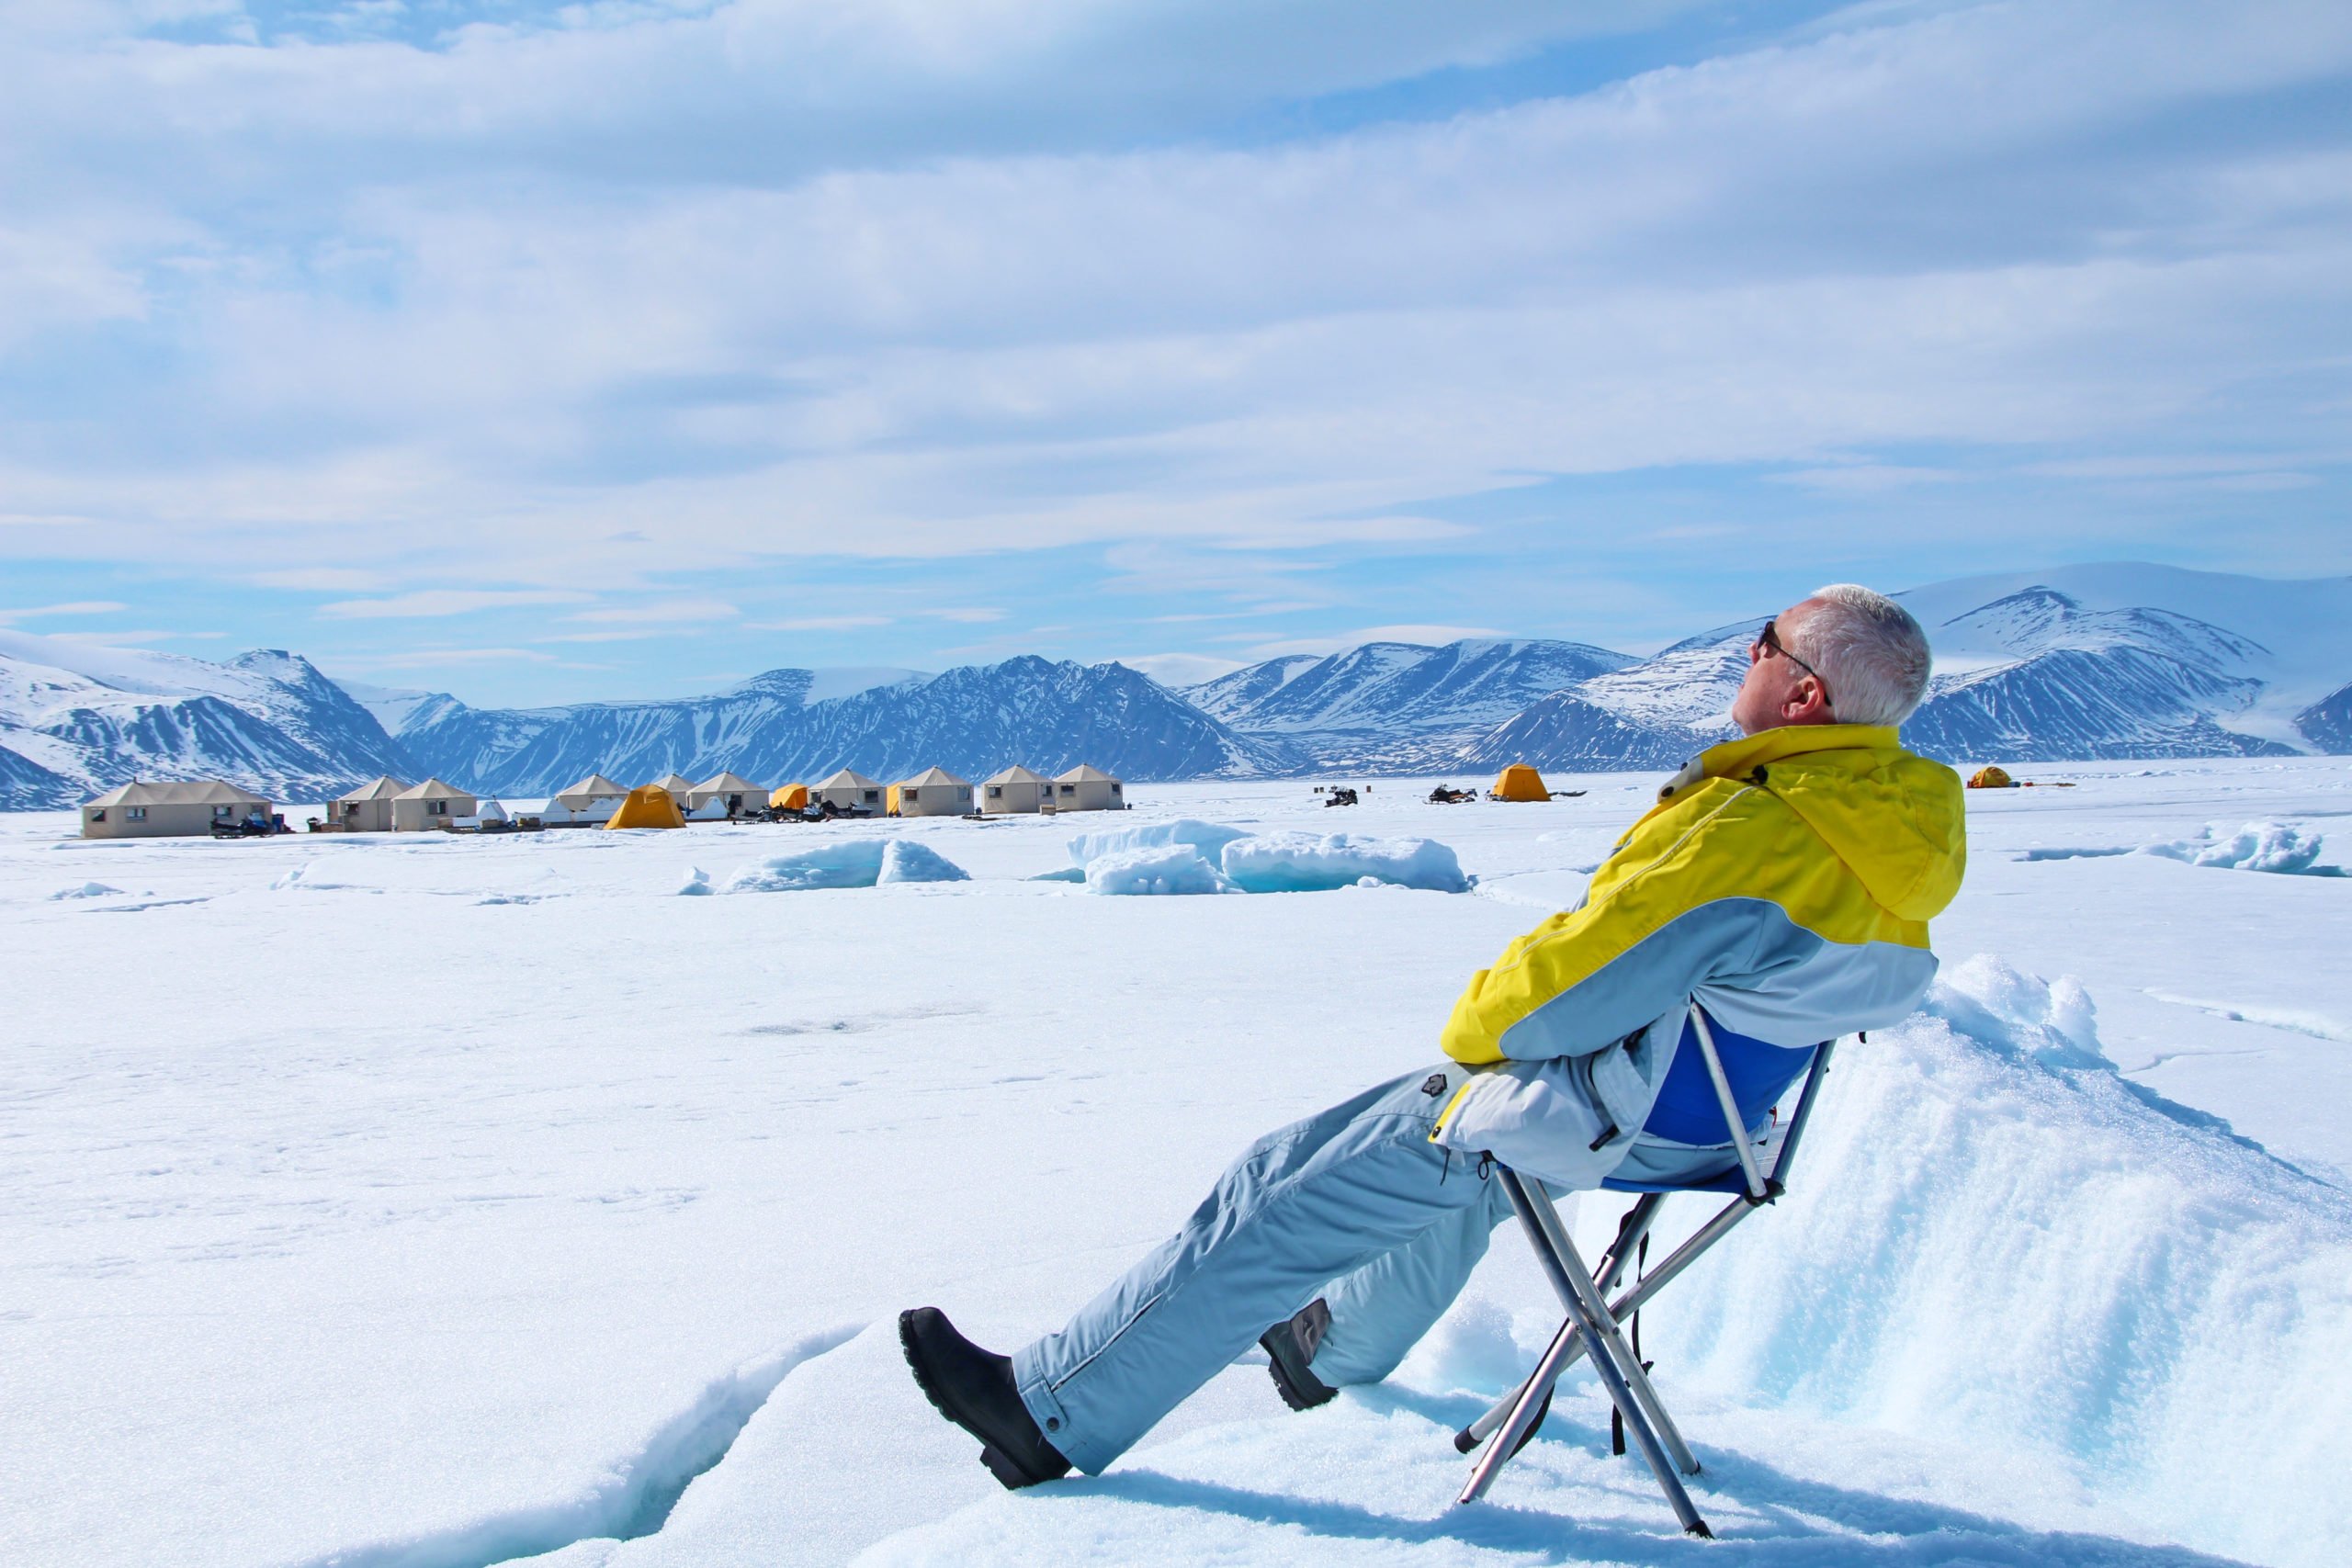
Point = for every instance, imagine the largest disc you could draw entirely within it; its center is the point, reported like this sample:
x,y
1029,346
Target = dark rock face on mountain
x,y
2137,682
1396,706
89,719
2327,723
26,785
1565,731
2079,702
972,721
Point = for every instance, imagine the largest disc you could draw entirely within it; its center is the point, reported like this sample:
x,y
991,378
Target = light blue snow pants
x,y
1355,1205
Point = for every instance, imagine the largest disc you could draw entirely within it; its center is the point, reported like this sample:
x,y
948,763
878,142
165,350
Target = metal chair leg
x,y
1555,1233
1583,1300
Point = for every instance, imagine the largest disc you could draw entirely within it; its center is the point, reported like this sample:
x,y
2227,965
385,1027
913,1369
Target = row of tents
x,y
934,792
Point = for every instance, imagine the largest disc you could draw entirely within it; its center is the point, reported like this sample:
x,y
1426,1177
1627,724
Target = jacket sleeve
x,y
1633,952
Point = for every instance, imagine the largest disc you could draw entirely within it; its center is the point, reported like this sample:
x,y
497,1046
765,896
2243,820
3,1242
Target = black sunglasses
x,y
1770,638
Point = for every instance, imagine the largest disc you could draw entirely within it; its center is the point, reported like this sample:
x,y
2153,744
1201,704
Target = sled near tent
x,y
1519,782
649,805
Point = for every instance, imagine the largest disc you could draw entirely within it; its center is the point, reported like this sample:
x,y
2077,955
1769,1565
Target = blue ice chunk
x,y
1315,862
908,860
1154,869
1208,838
846,862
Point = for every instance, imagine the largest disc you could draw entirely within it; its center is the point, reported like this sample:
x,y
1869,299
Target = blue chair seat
x,y
1687,1110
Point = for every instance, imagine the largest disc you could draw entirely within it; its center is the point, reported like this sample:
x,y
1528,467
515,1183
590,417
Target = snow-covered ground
x,y
434,1202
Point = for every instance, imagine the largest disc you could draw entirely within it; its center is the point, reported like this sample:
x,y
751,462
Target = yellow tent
x,y
650,805
890,802
791,797
1519,782
1991,777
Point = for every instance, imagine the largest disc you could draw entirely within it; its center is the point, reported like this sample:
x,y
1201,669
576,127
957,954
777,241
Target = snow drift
x,y
2257,846
1992,1235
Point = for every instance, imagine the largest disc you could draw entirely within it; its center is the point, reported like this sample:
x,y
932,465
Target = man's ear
x,y
1809,704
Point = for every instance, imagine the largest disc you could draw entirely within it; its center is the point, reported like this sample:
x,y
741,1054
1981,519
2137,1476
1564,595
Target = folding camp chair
x,y
1718,1082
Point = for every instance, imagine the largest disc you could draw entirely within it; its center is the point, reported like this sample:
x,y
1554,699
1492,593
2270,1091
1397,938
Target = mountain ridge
x,y
2108,660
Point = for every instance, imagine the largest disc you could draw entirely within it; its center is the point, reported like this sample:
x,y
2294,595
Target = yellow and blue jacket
x,y
1784,881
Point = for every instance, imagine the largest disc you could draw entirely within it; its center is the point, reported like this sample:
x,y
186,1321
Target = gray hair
x,y
1872,654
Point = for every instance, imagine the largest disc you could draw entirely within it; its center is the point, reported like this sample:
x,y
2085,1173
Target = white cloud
x,y
581,339
431,602
818,624
75,607
1426,636
1180,669
666,611
436,658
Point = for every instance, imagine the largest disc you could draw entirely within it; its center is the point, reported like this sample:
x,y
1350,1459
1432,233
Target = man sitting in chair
x,y
1783,882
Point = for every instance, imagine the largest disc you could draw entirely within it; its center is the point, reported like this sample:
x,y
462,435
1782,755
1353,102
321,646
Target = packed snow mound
x,y
849,863
1190,856
907,861
697,883
1161,869
1208,838
87,890
1313,863
1993,1238
2257,846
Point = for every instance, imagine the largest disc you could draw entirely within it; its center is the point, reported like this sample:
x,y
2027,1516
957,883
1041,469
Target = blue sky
x,y
540,353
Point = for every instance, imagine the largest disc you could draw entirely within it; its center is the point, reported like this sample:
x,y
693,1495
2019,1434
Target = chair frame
x,y
1593,1319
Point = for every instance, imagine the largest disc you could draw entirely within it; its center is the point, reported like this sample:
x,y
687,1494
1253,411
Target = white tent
x,y
720,796
677,785
1014,790
1088,789
138,810
430,805
368,808
592,799
847,791
934,792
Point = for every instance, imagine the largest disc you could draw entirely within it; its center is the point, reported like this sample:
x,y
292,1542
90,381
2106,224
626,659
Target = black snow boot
x,y
973,1388
1289,1347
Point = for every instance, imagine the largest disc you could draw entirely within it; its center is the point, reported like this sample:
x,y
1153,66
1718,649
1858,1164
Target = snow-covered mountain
x,y
2109,661
77,718
2141,682
801,724
2292,638
1396,706
2103,660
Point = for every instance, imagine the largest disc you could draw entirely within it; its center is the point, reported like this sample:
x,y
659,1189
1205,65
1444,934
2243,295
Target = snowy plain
x,y
436,1202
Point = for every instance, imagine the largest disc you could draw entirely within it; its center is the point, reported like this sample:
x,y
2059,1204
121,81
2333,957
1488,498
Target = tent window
x,y
873,795
995,791
99,816
1070,789
223,813
437,809
135,813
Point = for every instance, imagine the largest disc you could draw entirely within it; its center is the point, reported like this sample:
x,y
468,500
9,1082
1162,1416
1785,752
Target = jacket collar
x,y
1737,758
